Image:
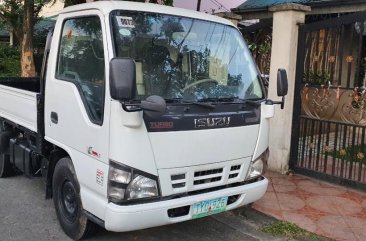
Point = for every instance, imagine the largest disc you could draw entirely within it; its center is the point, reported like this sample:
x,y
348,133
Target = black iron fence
x,y
333,148
329,124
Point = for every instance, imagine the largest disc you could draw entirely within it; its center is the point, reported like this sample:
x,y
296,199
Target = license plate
x,y
205,208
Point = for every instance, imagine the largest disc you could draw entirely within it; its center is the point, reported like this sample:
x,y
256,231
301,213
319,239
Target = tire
x,y
6,169
67,201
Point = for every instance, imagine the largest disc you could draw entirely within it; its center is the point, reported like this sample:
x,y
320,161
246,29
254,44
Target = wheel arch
x,y
56,154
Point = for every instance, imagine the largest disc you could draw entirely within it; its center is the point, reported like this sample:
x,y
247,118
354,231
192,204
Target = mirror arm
x,y
124,107
282,103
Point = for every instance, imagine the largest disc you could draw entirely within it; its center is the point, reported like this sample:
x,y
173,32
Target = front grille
x,y
234,168
208,172
178,185
234,171
178,177
178,180
233,175
208,180
205,178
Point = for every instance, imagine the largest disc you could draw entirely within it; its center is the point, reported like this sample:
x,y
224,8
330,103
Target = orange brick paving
x,y
332,211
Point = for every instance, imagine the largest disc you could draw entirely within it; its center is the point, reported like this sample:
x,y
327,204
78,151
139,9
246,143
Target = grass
x,y
292,231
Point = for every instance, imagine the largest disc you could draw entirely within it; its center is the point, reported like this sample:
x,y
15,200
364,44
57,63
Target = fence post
x,y
286,20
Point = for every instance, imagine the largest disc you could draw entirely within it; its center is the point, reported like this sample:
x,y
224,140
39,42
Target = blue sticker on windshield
x,y
124,32
151,20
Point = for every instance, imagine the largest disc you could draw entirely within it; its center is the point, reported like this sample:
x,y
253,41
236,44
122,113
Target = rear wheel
x,y
6,169
66,197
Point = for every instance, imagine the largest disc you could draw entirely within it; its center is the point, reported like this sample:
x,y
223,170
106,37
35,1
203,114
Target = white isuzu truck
x,y
144,115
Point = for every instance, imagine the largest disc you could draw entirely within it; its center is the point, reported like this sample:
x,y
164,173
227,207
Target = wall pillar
x,y
286,20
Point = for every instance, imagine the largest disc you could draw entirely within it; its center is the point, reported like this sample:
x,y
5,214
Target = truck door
x,y
76,110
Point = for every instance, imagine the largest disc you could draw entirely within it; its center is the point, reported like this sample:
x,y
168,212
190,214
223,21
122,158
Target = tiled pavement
x,y
329,210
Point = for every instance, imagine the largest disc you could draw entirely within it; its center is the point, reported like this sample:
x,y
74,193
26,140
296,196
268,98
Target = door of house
x,y
329,124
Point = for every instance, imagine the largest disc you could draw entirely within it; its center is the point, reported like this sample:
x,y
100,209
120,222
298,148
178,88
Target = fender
x,y
55,155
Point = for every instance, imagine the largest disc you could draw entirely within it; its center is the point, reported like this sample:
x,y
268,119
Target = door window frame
x,y
77,85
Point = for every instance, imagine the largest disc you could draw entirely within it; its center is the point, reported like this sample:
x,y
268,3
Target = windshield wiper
x,y
198,103
233,100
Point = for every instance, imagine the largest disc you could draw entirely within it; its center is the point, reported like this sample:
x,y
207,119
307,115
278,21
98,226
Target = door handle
x,y
54,117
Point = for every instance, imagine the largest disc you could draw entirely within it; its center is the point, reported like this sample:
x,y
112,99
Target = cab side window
x,y
81,61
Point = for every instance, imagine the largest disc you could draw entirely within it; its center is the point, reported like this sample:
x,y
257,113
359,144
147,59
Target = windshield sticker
x,y
151,20
124,32
125,22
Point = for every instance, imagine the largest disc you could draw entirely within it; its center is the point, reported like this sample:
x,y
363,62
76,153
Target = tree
x,y
259,43
163,2
20,17
11,17
73,2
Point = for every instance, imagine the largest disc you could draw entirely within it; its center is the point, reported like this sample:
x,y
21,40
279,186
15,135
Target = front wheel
x,y
66,197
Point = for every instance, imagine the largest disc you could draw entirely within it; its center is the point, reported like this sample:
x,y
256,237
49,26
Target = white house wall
x,y
51,9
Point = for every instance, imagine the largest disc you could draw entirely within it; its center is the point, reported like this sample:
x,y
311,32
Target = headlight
x,y
258,166
116,193
142,187
126,183
118,175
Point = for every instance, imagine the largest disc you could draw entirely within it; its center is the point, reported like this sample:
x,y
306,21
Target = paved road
x,y
26,215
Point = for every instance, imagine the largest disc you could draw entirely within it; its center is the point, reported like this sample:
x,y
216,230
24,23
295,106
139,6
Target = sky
x,y
208,5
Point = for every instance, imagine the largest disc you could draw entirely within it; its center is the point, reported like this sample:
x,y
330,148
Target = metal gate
x,y
329,124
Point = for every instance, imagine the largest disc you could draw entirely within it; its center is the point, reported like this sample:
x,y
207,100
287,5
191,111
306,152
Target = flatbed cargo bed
x,y
19,101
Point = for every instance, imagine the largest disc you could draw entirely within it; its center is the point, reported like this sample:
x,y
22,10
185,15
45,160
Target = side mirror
x,y
122,72
282,83
154,106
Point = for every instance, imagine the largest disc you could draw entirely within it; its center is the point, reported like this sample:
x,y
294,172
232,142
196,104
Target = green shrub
x,y
317,78
9,61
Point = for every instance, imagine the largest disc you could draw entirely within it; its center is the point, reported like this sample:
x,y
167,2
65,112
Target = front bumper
x,y
141,216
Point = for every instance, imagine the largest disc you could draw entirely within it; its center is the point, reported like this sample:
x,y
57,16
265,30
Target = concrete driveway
x,y
26,215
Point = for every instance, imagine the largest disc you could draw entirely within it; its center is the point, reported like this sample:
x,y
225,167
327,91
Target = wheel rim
x,y
68,201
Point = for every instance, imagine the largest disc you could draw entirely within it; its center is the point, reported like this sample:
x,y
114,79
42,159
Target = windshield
x,y
184,58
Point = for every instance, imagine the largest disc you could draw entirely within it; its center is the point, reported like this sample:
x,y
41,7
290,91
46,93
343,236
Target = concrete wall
x,y
263,13
235,19
286,19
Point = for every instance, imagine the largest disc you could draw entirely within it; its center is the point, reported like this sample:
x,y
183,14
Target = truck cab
x,y
151,115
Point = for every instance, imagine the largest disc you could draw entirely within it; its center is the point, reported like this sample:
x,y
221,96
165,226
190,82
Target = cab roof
x,y
107,6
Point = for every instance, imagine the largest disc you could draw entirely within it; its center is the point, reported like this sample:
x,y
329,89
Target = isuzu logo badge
x,y
212,122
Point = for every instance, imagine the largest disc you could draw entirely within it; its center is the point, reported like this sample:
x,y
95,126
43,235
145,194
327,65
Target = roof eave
x,y
249,10
313,4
